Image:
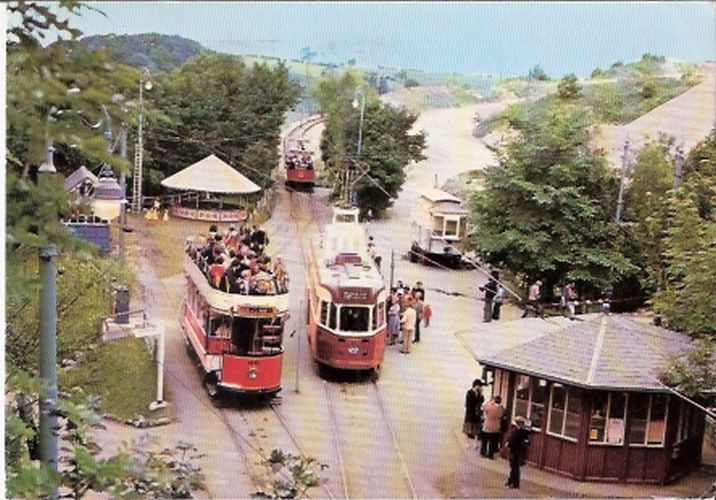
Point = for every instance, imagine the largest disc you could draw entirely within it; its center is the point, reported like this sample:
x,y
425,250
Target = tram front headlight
x,y
253,374
353,349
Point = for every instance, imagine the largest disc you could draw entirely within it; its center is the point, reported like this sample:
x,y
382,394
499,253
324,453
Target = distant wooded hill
x,y
156,52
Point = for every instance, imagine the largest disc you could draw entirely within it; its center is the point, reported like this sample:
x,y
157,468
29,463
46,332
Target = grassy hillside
x,y
618,95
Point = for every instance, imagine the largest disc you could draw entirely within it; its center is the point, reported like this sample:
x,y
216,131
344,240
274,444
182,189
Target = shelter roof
x,y
435,195
79,176
599,352
211,175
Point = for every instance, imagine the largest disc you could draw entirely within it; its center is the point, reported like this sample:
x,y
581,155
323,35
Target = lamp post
x,y
144,83
360,91
49,449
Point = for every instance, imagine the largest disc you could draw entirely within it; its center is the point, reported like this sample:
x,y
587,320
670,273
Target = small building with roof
x,y
82,181
591,391
210,175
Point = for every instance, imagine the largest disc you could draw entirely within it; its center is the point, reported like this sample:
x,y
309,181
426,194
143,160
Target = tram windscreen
x,y
354,319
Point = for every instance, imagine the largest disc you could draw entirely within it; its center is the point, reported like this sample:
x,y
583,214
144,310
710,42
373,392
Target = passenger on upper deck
x,y
246,271
259,240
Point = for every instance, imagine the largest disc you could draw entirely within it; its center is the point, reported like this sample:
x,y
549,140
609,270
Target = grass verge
x,y
122,373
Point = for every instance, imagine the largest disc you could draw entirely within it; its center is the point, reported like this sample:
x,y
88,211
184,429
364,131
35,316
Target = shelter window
x,y
530,395
332,316
355,318
324,313
438,225
565,411
688,422
606,424
451,227
648,419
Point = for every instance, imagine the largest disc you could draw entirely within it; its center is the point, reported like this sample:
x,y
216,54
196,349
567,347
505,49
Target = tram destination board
x,y
255,311
356,295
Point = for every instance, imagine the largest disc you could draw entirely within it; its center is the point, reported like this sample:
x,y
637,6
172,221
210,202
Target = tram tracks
x,y
357,421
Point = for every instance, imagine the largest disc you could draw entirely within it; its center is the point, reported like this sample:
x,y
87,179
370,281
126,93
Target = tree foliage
x,y
387,142
673,234
537,73
57,92
646,212
547,210
694,371
569,88
215,104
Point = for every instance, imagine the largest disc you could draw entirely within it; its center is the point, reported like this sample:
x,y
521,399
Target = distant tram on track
x,y
298,160
236,335
346,298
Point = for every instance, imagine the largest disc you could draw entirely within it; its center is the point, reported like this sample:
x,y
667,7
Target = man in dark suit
x,y
517,445
474,399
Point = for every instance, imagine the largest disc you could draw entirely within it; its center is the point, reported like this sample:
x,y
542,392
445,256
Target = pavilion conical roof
x,y
211,175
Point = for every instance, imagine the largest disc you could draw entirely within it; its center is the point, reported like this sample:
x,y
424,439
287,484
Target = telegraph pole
x,y
49,449
620,199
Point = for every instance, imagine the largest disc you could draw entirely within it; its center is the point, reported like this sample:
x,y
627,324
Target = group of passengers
x,y
299,159
235,261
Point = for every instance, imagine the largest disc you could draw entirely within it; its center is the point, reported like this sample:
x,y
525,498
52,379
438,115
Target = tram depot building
x,y
590,390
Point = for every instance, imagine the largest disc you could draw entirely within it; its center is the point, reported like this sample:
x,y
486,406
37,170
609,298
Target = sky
x,y
501,39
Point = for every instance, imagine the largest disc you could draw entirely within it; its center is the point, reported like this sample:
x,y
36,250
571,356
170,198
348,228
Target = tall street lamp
x,y
359,91
145,83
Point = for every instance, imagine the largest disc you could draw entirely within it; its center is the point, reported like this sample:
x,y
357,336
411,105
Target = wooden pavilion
x,y
591,393
210,176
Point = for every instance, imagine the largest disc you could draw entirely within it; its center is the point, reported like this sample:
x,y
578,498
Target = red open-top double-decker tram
x,y
237,337
346,298
298,160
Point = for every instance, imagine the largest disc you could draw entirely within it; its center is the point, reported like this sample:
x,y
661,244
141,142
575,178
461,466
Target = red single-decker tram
x,y
346,298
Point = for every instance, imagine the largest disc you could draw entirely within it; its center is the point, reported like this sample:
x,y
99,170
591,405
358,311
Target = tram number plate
x,y
260,312
356,295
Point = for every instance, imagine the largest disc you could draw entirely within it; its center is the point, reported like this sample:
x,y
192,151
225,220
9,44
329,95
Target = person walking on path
x,y
533,300
517,445
472,424
497,302
565,300
394,321
418,306
493,411
408,322
490,290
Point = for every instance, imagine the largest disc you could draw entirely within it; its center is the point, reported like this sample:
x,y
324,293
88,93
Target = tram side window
x,y
381,314
324,313
332,317
354,319
374,321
